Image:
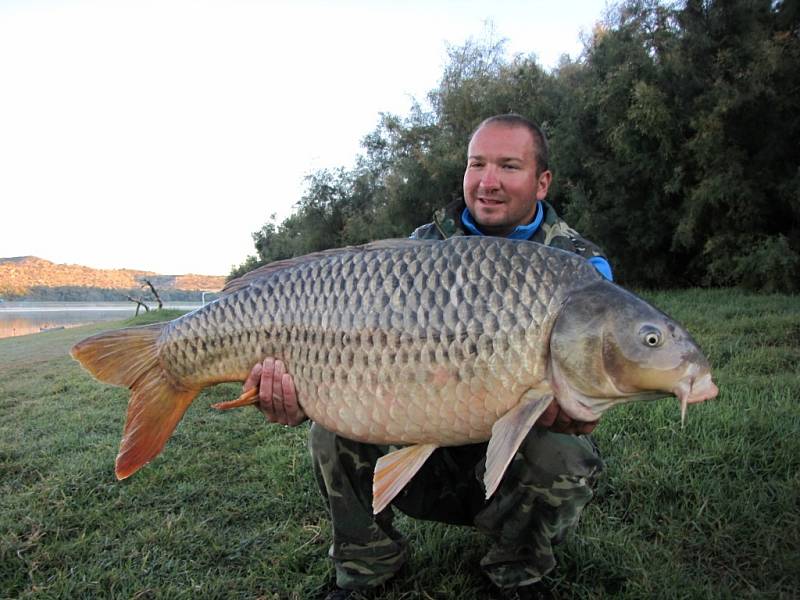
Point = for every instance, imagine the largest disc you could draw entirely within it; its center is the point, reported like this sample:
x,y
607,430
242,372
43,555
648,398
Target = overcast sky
x,y
159,135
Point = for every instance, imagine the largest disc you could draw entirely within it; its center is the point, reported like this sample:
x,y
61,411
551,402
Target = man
x,y
551,478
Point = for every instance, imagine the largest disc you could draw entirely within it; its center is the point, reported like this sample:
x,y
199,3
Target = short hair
x,y
540,149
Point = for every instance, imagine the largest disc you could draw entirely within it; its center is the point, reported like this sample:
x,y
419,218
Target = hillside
x,y
20,274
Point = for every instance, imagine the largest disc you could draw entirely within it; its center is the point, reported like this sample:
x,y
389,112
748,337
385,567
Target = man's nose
x,y
489,179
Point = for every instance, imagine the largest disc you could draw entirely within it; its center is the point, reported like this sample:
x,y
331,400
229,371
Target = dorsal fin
x,y
234,285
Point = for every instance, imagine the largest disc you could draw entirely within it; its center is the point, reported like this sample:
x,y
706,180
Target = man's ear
x,y
543,184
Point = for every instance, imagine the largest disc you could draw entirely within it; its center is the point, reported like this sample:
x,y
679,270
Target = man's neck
x,y
520,232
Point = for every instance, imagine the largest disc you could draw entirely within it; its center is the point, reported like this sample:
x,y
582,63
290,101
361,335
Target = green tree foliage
x,y
673,145
621,143
684,159
742,210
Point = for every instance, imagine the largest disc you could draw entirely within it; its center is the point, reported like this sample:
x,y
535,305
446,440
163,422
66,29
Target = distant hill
x,y
20,274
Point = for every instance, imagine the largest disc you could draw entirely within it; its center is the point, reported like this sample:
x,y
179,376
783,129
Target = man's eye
x,y
511,167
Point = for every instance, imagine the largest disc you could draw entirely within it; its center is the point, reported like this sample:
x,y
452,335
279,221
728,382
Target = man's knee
x,y
549,457
340,462
321,443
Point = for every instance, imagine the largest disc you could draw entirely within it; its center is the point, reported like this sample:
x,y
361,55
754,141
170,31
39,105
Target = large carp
x,y
414,343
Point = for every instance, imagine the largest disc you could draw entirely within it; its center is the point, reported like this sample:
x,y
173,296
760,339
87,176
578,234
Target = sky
x,y
160,134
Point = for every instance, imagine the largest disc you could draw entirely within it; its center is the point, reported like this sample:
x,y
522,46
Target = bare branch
x,y
139,304
155,293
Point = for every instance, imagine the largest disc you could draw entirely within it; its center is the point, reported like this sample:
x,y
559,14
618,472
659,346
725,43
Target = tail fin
x,y
129,357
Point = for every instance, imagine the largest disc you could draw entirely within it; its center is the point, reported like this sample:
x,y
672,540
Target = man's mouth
x,y
490,201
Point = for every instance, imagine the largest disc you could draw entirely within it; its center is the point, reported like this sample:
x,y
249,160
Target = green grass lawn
x,y
230,510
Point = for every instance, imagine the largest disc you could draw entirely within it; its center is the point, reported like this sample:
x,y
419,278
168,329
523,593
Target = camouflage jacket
x,y
553,231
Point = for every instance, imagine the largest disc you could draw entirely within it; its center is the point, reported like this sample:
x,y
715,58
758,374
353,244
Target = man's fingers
x,y
277,397
294,412
252,378
557,420
549,415
563,421
265,389
279,401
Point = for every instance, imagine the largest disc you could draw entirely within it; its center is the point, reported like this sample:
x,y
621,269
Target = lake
x,y
22,318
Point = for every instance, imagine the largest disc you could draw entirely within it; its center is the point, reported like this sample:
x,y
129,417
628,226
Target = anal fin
x,y
507,435
246,399
394,470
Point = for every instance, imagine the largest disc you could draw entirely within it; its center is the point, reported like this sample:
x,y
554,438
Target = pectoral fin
x,y
394,470
507,435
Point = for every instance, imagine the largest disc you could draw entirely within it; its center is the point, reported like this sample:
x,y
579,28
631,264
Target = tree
x,y
673,145
678,153
742,215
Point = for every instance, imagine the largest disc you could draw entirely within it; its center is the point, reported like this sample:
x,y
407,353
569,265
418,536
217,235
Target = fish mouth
x,y
693,390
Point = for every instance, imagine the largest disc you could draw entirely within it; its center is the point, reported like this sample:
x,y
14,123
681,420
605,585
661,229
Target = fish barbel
x,y
410,342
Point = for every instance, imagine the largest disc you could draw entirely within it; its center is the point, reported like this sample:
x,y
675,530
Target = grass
x,y
230,510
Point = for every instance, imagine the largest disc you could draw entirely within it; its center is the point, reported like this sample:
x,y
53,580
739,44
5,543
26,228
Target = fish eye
x,y
650,336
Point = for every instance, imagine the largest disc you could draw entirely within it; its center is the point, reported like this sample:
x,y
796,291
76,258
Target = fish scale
x,y
365,325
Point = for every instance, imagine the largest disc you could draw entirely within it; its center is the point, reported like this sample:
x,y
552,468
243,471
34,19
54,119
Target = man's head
x,y
506,173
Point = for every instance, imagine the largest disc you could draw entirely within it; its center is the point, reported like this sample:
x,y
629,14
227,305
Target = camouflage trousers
x,y
538,503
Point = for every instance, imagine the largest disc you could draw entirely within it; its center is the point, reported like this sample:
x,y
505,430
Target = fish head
x,y
609,346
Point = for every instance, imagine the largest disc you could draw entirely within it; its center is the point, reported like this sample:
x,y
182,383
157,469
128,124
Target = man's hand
x,y
555,419
277,398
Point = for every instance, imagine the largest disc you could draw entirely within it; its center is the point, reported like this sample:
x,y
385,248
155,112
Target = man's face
x,y
501,186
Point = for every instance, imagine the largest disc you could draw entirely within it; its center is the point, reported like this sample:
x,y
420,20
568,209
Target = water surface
x,y
23,317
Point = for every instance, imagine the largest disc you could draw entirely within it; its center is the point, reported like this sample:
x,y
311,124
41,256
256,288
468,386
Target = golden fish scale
x,y
395,345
